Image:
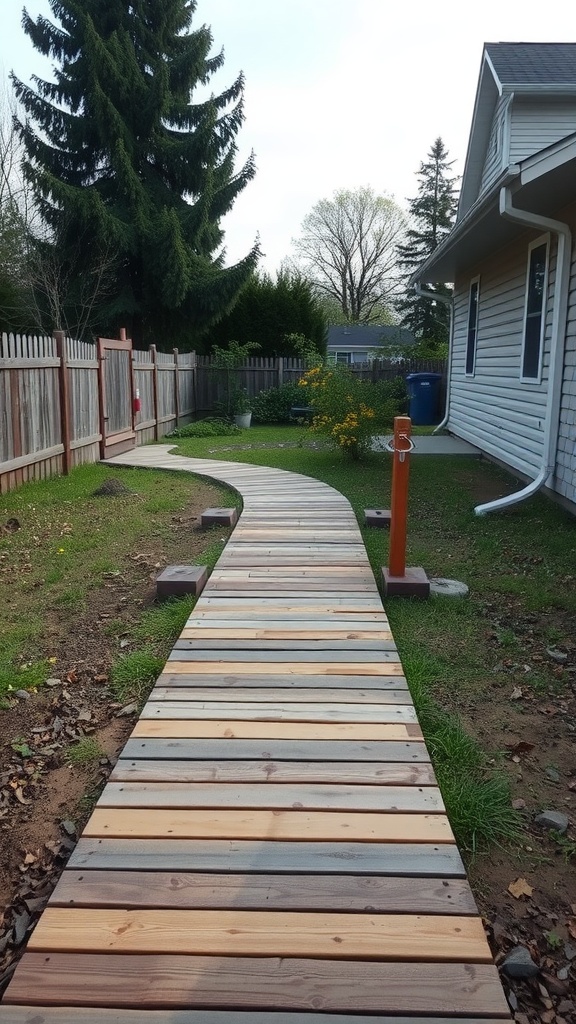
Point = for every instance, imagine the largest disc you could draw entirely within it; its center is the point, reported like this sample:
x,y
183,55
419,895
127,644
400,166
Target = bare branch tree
x,y
348,249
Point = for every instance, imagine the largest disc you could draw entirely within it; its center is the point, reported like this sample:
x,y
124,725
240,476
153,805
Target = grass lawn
x,y
466,658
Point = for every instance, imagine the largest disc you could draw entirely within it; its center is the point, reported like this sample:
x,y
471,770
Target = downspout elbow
x,y
557,344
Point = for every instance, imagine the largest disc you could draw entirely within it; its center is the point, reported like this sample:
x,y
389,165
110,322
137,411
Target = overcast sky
x,y
339,93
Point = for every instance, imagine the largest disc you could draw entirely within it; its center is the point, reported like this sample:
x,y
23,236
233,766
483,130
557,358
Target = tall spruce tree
x,y
432,212
121,157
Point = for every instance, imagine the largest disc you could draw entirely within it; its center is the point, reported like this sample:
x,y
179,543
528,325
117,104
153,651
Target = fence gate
x,y
116,396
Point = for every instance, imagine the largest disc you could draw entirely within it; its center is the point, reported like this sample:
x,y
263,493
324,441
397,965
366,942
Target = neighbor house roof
x,y
363,336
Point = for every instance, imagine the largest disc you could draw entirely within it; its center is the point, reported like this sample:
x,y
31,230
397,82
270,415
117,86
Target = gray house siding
x,y
497,140
565,480
493,409
536,124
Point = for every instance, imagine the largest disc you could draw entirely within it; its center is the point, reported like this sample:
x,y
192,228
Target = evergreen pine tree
x,y
121,156
432,212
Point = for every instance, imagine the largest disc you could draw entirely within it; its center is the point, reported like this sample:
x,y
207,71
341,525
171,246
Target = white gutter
x,y
424,294
557,345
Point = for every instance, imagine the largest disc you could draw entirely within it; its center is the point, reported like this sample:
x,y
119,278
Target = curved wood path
x,y
272,847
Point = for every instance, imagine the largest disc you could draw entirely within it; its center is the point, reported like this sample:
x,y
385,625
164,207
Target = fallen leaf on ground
x,y
571,924
520,888
516,693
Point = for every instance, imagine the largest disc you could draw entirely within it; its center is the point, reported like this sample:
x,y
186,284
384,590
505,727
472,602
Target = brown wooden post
x,y
122,334
101,395
64,388
155,391
176,387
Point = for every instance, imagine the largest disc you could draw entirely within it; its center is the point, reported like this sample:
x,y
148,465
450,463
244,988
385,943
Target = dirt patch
x,y
59,745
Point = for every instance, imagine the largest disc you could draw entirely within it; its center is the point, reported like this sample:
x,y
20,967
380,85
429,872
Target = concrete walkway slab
x,y
430,444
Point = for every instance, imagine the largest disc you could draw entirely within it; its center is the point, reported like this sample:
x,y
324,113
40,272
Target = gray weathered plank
x,y
347,773
364,858
231,679
280,750
271,795
157,708
280,696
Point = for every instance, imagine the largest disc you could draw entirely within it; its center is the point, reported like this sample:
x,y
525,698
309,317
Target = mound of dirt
x,y
111,488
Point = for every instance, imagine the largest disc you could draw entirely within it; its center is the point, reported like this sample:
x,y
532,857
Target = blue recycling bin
x,y
424,392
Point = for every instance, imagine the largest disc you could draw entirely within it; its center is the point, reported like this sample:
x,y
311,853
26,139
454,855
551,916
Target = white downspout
x,y
557,345
448,301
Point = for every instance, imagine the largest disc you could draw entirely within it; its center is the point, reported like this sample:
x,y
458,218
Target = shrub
x,y
212,427
273,405
348,410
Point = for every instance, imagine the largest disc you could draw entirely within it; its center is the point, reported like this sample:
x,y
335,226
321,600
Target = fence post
x,y
280,367
153,353
176,387
64,389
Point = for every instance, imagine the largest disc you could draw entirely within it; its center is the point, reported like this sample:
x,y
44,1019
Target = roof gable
x,y
508,68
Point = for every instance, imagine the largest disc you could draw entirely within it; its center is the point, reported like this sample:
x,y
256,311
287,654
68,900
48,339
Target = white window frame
x,y
473,281
542,240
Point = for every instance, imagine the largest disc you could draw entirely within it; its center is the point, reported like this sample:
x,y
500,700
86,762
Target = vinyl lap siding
x,y
565,478
494,155
492,409
535,125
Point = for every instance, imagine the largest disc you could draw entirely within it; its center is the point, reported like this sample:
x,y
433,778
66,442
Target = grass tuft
x,y
86,752
134,675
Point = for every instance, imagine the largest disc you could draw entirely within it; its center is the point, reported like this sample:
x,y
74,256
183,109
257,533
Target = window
x,y
472,326
534,316
344,357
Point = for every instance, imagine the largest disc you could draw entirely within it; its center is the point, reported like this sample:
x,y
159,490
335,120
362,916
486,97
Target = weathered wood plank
x,y
355,772
238,665
247,983
351,642
162,707
270,750
263,698
313,656
407,937
403,859
313,796
267,825
190,728
69,1015
344,681
189,890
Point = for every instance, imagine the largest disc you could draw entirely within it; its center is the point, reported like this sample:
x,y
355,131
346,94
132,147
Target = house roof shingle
x,y
533,63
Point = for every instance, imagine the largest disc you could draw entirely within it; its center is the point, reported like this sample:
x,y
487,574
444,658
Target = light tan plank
x,y
194,729
390,714
268,826
256,933
300,668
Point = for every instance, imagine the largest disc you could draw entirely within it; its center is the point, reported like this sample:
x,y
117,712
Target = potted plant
x,y
241,409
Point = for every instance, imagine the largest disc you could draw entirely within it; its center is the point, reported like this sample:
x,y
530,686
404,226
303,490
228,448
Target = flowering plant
x,y
348,409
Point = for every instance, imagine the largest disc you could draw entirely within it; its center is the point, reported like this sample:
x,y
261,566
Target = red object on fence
x,y
399,500
137,402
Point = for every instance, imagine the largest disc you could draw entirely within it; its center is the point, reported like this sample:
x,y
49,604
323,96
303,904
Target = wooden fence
x,y
65,402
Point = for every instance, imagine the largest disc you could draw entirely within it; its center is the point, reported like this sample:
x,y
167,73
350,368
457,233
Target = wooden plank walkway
x,y
272,846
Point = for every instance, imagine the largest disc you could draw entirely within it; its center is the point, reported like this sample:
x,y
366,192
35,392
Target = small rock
x,y
558,656
565,1005
53,682
553,774
68,827
512,1001
519,804
556,820
519,964
130,709
562,974
569,951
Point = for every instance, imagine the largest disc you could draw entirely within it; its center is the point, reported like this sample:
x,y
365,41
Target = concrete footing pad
x,y
178,580
219,517
378,517
414,583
